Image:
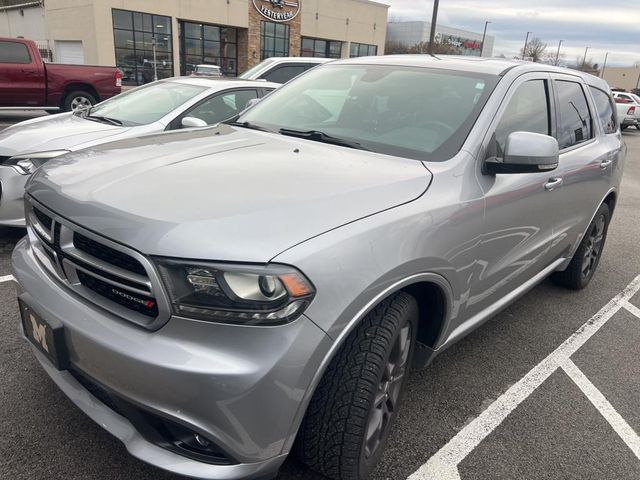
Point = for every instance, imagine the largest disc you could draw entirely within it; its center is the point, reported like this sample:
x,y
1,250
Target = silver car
x,y
220,298
165,105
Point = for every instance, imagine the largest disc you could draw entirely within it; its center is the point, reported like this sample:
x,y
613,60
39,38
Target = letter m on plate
x,y
39,333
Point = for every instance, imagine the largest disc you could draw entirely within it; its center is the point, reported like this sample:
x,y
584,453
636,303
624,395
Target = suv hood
x,y
57,132
222,193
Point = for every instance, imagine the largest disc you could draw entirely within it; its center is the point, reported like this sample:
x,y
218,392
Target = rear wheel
x,y
78,99
586,259
355,405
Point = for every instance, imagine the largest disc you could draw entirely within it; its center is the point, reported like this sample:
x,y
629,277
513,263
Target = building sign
x,y
278,10
467,46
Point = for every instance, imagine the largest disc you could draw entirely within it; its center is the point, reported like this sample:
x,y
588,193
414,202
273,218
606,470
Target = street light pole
x,y
558,52
434,20
526,42
484,35
584,60
604,65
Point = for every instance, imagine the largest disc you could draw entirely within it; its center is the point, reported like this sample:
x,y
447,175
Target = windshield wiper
x,y
318,136
249,125
112,121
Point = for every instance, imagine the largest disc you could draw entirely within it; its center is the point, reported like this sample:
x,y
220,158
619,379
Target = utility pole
x,y
584,60
604,65
434,20
558,52
484,35
526,42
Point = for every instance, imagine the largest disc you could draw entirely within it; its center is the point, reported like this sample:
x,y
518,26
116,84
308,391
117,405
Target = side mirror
x,y
525,152
251,103
193,122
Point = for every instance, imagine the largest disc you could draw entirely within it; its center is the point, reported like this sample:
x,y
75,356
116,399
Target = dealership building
x,y
176,35
469,43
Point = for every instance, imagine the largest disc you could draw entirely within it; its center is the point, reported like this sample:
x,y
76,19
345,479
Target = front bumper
x,y
12,197
242,387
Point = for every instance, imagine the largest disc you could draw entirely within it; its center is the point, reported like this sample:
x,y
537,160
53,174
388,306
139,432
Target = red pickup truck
x,y
27,82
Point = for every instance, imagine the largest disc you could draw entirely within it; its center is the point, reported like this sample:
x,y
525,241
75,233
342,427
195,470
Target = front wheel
x,y
78,99
351,414
586,259
623,127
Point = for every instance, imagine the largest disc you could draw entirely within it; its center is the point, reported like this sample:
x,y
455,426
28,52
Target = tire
x,y
77,98
638,126
586,259
333,437
623,127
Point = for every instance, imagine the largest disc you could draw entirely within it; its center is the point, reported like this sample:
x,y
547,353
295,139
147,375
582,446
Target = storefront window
x,y
134,34
363,50
202,44
275,40
314,47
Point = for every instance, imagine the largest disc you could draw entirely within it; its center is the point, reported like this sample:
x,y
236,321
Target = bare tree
x,y
587,66
393,47
441,48
535,50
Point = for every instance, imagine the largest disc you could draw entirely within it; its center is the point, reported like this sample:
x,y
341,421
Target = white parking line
x,y
7,278
444,464
619,424
632,308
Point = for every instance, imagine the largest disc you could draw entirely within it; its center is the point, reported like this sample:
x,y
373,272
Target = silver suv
x,y
220,298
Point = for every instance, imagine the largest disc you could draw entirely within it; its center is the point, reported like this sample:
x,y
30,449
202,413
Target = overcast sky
x,y
604,25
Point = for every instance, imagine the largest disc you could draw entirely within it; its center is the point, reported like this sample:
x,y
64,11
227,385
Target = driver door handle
x,y
605,163
553,183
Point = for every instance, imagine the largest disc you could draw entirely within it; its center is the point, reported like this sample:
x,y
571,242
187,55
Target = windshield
x,y
419,113
147,104
635,97
248,74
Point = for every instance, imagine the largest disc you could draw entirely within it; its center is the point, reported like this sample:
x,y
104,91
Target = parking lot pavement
x,y
512,398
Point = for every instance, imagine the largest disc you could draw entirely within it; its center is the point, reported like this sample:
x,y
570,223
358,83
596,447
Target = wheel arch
x,y
429,289
75,86
611,199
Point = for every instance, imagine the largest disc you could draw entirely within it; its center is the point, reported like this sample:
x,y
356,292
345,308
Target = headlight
x,y
26,164
245,294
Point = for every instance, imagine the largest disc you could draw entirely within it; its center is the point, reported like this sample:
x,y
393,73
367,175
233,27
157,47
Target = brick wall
x,y
253,37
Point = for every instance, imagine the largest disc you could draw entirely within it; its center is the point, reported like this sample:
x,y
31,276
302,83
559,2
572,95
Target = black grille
x,y
44,219
96,391
105,274
107,254
133,301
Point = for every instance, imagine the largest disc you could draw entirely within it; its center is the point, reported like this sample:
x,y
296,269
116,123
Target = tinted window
x,y
574,124
392,110
284,74
13,52
528,111
605,110
222,107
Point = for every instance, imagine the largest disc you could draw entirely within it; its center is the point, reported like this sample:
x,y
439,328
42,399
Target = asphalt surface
x,y
555,433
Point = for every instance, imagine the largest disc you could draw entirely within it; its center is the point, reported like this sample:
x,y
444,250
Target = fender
x,y
423,352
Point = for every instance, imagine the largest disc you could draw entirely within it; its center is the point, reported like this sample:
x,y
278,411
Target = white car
x,y
207,71
171,104
628,105
282,69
